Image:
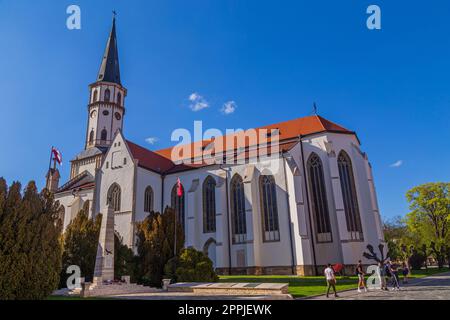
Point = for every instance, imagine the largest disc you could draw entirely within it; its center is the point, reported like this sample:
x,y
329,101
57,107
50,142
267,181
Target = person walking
x,y
381,271
331,280
387,271
405,272
395,279
360,274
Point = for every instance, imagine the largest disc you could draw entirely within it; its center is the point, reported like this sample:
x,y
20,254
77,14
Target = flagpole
x,y
175,241
51,155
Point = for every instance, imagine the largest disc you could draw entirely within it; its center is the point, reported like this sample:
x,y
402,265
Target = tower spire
x,y
109,69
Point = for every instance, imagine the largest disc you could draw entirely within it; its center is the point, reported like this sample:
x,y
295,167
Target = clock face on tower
x,y
93,113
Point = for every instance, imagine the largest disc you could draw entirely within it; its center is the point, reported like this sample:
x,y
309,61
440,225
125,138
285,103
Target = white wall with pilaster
x,y
118,167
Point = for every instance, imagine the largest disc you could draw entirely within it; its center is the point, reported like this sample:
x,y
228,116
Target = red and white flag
x,y
179,188
57,155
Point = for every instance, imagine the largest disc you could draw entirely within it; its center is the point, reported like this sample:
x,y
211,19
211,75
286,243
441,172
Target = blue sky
x,y
272,58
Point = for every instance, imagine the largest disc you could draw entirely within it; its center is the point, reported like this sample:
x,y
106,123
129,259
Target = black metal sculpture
x,y
371,255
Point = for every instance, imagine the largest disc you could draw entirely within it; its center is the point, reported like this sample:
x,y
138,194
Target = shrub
x,y
155,245
191,266
124,259
417,260
30,252
80,241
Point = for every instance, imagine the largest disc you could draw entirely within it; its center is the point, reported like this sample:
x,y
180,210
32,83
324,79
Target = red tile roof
x,y
149,159
160,161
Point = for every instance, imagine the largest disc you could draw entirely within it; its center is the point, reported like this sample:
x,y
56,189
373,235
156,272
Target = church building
x,y
313,203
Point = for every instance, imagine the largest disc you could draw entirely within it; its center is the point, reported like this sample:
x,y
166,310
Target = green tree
x,y
429,218
155,245
124,259
395,235
80,241
191,266
30,252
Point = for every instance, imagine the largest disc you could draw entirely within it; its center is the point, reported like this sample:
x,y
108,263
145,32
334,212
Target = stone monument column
x,y
104,262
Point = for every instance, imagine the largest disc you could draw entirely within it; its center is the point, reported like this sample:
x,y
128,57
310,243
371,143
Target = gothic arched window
x,y
209,205
104,135
95,97
114,194
91,136
269,208
349,196
177,204
319,199
238,221
119,99
148,199
107,95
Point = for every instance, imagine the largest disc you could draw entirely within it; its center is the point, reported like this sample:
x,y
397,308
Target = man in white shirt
x,y
331,280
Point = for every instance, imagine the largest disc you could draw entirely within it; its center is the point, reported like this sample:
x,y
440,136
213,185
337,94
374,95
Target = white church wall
x,y
118,167
281,252
368,209
252,252
192,182
298,207
87,165
145,178
326,252
72,207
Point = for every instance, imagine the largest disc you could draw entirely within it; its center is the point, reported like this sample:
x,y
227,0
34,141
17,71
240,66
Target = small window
x,y
124,161
119,99
104,135
209,205
107,165
105,112
269,208
114,197
107,95
148,199
238,219
91,136
95,97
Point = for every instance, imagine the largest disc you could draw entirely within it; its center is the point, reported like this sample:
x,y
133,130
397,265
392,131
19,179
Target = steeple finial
x,y
315,108
109,69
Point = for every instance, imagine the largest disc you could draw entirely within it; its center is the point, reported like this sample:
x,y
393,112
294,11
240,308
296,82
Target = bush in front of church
x,y
80,242
191,266
30,252
155,245
124,259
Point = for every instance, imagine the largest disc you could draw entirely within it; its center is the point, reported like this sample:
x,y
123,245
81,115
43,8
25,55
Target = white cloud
x,y
197,102
151,140
396,164
228,107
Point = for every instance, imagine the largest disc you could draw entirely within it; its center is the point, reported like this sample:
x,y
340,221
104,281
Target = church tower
x,y
106,107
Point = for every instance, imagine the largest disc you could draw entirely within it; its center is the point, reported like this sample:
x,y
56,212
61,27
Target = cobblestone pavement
x,y
435,287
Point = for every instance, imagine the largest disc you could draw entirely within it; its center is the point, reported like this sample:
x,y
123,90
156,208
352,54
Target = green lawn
x,y
310,286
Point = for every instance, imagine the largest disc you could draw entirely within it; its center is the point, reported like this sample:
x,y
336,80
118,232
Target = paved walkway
x,y
436,287
191,296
